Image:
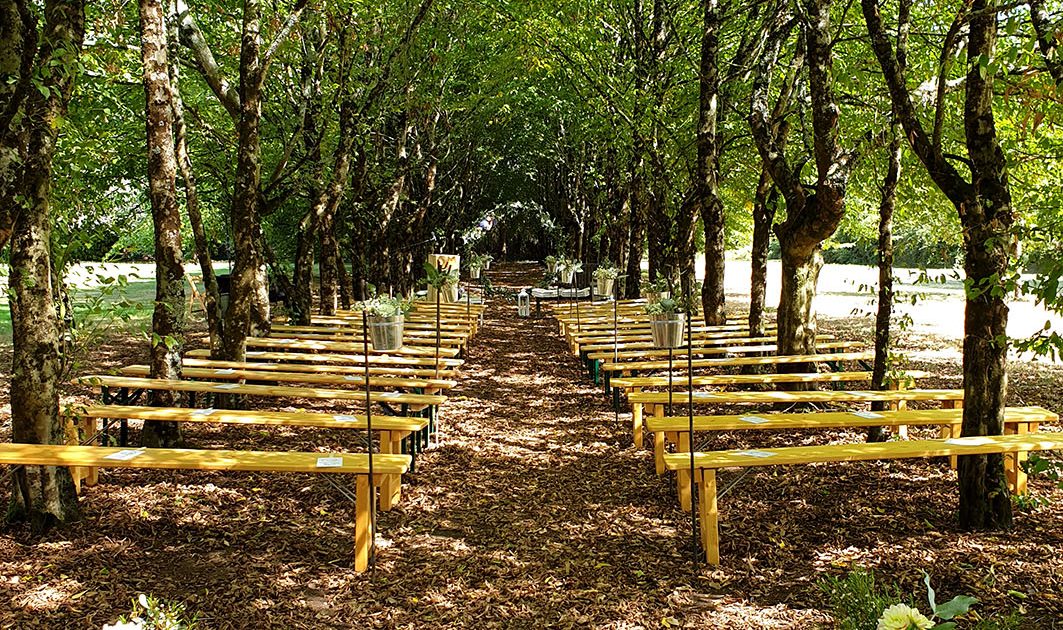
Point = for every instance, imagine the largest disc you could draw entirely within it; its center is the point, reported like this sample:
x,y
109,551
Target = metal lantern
x,y
385,333
523,304
667,329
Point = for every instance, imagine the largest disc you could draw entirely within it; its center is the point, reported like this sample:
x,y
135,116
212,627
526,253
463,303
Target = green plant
x,y
571,266
550,260
439,280
480,260
660,285
857,603
606,272
150,613
384,306
662,305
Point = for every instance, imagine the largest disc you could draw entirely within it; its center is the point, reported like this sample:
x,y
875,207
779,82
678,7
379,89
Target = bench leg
x,y
683,477
91,474
391,486
901,405
957,428
710,518
636,424
363,522
1013,462
658,452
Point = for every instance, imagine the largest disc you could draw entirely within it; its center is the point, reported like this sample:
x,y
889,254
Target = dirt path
x,y
534,512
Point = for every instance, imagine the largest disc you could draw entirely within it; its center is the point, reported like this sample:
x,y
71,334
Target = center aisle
x,y
535,511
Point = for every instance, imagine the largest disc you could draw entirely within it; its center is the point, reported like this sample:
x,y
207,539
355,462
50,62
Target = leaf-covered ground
x,y
533,512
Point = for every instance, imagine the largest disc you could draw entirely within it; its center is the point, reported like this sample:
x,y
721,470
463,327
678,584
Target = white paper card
x,y
969,441
255,353
753,419
342,417
756,453
202,412
867,415
226,371
124,455
390,394
352,378
227,386
329,462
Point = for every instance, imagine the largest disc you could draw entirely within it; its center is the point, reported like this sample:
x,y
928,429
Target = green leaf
x,y
956,606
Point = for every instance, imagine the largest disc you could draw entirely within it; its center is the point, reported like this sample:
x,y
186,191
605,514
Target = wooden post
x,y
363,522
684,476
710,523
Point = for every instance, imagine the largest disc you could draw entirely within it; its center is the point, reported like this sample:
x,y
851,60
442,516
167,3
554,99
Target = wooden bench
x,y
408,402
344,359
608,368
631,385
676,430
658,401
325,368
274,343
417,385
246,461
394,431
706,464
583,344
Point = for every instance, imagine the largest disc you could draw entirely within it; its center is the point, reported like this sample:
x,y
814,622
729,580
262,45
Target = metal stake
x,y
690,418
369,436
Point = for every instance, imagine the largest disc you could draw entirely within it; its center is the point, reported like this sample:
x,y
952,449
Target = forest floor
x,y
534,512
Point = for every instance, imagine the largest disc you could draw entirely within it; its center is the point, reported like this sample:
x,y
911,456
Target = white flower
x,y
903,617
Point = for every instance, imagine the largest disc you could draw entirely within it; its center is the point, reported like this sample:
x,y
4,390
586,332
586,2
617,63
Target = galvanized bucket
x,y
551,267
605,286
568,276
653,296
385,333
667,329
474,273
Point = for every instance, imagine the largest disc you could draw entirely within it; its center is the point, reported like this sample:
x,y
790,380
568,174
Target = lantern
x,y
523,304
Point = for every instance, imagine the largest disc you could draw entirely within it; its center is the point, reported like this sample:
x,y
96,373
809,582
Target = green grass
x,y
109,295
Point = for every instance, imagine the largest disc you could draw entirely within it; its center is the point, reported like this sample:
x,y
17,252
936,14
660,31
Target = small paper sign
x,y
867,415
753,419
227,386
123,455
255,353
969,441
202,412
390,394
342,417
329,462
226,371
351,378
761,454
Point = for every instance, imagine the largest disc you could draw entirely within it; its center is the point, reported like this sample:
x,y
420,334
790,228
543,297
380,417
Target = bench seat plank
x,y
341,359
298,377
355,370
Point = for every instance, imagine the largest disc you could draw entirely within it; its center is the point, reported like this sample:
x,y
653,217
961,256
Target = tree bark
x,y
43,495
211,294
764,201
712,213
168,318
18,47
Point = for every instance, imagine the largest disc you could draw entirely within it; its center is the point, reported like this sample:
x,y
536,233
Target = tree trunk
x,y
18,45
797,316
211,294
168,318
327,263
243,211
885,278
712,214
764,201
44,495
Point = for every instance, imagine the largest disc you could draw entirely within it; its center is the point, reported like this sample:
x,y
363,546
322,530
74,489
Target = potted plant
x,y
445,283
551,264
477,263
604,277
667,322
657,289
385,316
569,269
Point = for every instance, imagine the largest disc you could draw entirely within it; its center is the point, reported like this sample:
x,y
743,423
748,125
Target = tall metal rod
x,y
438,291
616,403
670,376
576,278
690,418
369,440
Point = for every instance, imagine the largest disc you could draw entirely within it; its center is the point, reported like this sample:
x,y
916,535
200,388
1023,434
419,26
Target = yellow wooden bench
x,y
246,461
392,430
419,385
274,343
706,464
632,368
583,344
676,430
638,383
409,401
343,359
709,348
356,370
658,401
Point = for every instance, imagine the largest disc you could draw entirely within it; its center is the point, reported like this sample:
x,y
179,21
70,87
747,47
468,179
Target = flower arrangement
x,y
661,305
551,260
606,272
569,266
384,306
